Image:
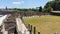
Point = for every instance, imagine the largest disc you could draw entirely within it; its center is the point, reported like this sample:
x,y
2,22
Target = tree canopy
x,y
40,9
55,4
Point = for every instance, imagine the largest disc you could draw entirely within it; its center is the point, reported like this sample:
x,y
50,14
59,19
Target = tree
x,y
6,8
53,4
56,0
40,9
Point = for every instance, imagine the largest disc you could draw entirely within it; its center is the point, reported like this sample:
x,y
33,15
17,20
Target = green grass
x,y
45,24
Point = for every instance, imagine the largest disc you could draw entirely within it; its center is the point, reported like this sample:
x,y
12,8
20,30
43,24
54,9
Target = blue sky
x,y
22,3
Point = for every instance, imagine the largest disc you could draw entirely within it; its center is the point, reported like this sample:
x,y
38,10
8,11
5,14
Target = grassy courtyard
x,y
45,24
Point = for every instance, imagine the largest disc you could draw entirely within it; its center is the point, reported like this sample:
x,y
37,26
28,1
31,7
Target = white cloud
x,y
18,3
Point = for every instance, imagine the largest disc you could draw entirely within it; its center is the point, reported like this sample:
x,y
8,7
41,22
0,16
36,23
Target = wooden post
x,y
34,30
28,26
38,32
30,31
31,27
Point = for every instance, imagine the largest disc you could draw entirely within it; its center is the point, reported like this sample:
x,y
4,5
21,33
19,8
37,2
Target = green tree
x,y
53,4
40,9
